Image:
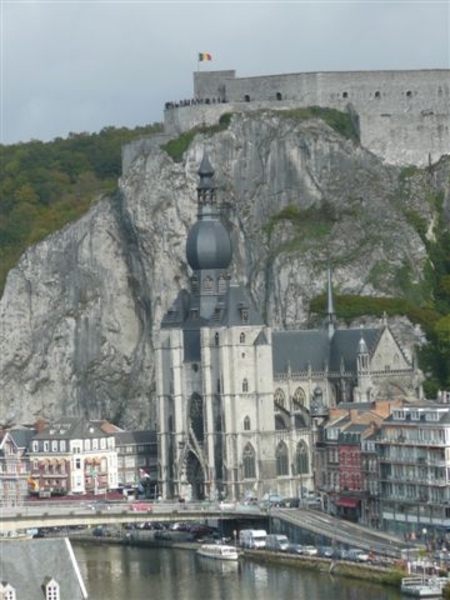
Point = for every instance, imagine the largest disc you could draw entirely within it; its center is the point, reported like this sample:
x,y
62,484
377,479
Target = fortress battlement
x,y
404,116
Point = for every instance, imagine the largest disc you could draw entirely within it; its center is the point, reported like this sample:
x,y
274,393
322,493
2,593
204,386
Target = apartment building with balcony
x,y
414,456
14,465
346,464
72,455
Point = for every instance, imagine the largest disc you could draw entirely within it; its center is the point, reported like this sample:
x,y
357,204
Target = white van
x,y
277,542
252,538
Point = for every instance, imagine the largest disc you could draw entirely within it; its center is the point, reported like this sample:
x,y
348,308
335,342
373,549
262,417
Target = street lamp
x,y
424,532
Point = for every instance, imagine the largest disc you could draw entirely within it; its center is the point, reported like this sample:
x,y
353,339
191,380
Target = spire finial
x,y
331,315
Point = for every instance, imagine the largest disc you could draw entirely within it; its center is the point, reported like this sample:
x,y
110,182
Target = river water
x,y
127,573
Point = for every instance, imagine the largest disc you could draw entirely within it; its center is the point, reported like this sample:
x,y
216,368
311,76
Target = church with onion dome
x,y
238,403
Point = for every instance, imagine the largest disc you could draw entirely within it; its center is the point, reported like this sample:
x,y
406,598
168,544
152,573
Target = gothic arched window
x,y
299,399
302,459
216,338
249,462
196,416
247,424
242,338
245,385
282,459
280,399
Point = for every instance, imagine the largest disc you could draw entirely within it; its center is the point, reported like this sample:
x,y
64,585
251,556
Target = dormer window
x,y
52,590
208,285
244,313
7,591
222,285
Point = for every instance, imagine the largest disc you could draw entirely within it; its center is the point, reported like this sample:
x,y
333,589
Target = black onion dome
x,y
208,246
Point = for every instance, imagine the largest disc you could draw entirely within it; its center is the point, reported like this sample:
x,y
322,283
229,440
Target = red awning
x,y
347,502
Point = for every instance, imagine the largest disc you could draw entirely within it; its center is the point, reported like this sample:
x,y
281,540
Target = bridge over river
x,y
317,526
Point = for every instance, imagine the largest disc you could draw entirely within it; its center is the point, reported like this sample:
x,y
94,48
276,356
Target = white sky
x,y
75,66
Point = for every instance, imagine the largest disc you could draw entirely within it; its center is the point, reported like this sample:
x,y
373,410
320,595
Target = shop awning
x,y
346,502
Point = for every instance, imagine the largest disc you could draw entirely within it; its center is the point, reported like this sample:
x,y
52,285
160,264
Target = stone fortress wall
x,y
404,116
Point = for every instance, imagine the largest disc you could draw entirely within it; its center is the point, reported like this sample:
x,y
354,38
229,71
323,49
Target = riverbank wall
x,y
338,568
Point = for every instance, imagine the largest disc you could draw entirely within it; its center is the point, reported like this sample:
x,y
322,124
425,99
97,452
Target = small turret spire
x,y
330,315
206,191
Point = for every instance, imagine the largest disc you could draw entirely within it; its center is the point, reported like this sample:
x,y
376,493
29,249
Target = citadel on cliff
x,y
402,116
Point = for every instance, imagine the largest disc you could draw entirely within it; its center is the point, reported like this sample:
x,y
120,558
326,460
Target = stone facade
x,y
403,115
238,404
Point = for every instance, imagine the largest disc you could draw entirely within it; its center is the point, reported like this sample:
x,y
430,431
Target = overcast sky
x,y
75,66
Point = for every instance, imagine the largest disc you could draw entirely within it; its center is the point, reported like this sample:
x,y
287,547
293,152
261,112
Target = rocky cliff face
x,y
79,309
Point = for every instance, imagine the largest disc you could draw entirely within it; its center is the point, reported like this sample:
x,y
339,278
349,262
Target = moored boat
x,y
423,587
218,551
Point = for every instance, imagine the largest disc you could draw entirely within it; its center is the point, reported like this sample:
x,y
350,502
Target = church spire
x,y
208,246
330,319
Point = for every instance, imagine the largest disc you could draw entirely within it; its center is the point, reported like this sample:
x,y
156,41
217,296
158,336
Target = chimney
x,y
40,425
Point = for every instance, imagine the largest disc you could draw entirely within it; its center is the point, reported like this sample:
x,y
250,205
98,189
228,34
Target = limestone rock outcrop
x,y
79,309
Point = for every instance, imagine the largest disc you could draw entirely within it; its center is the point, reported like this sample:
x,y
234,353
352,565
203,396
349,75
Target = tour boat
x,y
424,587
218,551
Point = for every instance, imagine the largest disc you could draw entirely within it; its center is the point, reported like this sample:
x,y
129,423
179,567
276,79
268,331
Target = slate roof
x,y
27,564
22,436
344,345
71,428
228,310
298,349
302,348
145,436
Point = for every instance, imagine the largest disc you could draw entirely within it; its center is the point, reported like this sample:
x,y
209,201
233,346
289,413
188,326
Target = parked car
x,y
310,550
270,500
326,551
101,505
295,548
290,502
358,555
277,542
251,501
305,550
